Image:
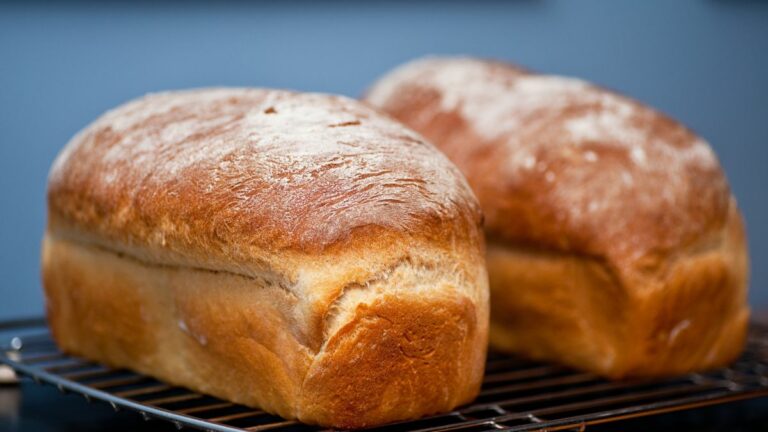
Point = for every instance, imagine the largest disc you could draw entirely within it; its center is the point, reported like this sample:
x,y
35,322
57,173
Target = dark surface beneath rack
x,y
516,395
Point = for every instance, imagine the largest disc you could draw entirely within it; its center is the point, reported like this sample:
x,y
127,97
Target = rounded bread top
x,y
212,171
561,164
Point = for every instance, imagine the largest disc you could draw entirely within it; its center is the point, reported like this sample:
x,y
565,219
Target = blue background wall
x,y
704,62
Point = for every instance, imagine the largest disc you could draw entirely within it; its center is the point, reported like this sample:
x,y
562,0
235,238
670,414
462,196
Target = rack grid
x,y
517,395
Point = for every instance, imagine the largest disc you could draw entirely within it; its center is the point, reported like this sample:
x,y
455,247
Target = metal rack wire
x,y
517,395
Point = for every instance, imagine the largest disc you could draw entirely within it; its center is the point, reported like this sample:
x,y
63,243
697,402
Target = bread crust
x,y
572,308
210,175
210,286
597,208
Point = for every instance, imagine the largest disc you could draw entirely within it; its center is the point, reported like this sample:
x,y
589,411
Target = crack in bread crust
x,y
274,280
382,275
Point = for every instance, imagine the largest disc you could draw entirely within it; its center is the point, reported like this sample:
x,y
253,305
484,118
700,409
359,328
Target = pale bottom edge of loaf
x,y
396,359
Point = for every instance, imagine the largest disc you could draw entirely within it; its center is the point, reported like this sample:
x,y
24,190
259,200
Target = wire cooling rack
x,y
517,395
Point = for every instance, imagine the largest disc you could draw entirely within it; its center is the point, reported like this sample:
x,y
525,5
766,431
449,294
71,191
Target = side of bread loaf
x,y
611,227
272,248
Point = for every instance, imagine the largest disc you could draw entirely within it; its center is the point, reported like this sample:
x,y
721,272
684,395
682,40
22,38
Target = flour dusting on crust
x,y
603,168
294,169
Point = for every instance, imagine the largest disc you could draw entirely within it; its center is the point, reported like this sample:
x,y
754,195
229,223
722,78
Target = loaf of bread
x,y
294,252
614,243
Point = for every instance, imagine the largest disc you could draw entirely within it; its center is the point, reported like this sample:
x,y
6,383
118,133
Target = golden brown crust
x,y
572,309
411,360
608,221
235,241
561,164
211,173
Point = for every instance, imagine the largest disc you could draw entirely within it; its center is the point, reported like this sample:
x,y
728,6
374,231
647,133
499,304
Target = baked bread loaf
x,y
294,252
614,243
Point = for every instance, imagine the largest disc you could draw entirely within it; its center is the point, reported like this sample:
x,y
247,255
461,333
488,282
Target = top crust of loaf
x,y
213,174
561,164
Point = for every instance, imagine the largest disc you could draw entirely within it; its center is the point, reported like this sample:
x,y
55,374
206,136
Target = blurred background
x,y
704,62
